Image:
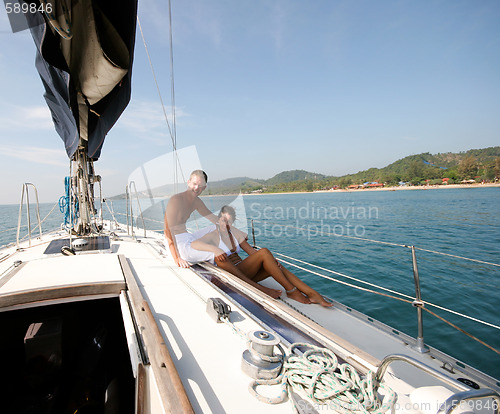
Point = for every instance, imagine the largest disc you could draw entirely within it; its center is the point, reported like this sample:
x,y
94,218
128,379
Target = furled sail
x,y
84,59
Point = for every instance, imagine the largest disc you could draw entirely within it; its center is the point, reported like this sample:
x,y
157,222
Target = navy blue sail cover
x,y
62,86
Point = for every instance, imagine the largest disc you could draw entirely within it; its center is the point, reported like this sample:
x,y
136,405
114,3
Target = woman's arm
x,y
239,235
207,243
247,248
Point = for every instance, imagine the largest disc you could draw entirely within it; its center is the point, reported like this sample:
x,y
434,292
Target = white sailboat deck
x,y
206,354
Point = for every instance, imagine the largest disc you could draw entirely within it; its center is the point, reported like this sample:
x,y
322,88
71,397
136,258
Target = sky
x,y
327,86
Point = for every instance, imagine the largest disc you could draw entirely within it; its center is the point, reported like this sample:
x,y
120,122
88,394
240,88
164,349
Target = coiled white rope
x,y
318,375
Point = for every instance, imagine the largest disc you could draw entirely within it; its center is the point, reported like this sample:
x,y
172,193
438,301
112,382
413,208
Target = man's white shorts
x,y
189,254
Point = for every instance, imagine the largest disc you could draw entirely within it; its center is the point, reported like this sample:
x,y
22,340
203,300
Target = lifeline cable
x,y
411,302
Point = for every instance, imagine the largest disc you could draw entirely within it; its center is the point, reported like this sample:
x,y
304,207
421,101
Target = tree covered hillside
x,y
421,169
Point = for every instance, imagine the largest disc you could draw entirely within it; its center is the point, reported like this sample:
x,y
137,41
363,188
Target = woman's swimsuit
x,y
226,249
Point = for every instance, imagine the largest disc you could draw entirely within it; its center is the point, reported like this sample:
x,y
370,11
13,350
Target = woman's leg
x,y
261,264
313,295
260,272
231,268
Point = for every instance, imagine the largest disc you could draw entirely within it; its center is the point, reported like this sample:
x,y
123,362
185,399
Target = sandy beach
x,y
394,188
420,187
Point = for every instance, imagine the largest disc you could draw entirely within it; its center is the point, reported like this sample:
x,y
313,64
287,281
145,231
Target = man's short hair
x,y
201,174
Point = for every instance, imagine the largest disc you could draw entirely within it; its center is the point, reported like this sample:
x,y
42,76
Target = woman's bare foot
x,y
315,297
297,295
274,293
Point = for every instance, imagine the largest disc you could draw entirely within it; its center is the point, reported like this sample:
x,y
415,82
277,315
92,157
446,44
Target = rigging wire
x,y
172,91
343,275
378,242
156,82
377,286
462,330
45,218
406,301
458,257
112,212
171,129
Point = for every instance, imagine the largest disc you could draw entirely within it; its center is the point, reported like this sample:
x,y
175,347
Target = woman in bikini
x,y
225,242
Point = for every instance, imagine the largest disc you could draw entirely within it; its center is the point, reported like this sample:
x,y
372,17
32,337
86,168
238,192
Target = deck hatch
x,y
94,243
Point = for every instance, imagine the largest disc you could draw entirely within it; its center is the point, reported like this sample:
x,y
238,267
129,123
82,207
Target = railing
x,y
388,360
454,401
130,222
26,190
420,347
416,301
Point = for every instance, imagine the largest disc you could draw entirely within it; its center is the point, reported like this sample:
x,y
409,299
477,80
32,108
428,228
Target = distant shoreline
x,y
394,188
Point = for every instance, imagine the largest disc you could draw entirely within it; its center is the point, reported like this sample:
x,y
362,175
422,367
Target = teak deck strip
x,y
172,391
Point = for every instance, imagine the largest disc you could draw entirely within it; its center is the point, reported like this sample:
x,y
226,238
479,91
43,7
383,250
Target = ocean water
x,y
362,235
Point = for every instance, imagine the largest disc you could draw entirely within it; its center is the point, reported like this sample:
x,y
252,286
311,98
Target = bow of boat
x,y
119,313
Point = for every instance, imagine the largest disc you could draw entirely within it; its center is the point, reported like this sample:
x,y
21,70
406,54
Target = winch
x,y
259,360
79,243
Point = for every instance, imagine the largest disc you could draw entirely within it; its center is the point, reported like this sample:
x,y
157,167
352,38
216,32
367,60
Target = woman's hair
x,y
228,210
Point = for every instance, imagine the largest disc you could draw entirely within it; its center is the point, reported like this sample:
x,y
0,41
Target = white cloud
x,y
36,154
147,120
14,118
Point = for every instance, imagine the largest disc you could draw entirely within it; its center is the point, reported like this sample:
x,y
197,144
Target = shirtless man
x,y
179,209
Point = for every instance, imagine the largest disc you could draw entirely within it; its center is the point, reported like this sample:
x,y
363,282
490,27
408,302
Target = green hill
x,y
291,176
478,164
234,185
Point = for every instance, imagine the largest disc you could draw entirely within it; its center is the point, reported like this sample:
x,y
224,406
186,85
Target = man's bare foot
x,y
274,293
315,297
297,295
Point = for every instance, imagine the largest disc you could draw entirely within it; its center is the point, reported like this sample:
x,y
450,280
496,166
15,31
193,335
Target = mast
x,y
83,181
84,58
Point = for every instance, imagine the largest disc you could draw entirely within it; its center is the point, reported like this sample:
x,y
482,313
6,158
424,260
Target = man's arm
x,y
170,237
205,212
